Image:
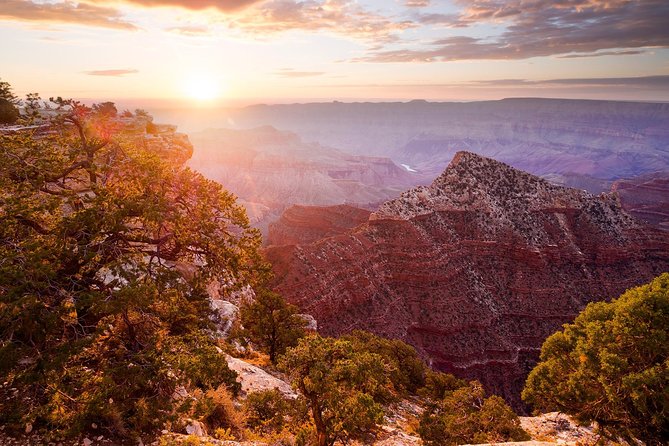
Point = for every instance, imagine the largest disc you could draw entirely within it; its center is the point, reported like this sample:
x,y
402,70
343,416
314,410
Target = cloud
x,y
535,28
343,17
221,5
449,20
111,73
655,82
257,18
604,53
190,30
65,12
290,73
417,3
629,82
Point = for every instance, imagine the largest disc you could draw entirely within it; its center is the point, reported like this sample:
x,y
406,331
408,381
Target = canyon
x,y
363,154
474,270
600,139
269,170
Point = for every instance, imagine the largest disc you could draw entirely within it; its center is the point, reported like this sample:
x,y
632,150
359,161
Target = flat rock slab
x,y
255,379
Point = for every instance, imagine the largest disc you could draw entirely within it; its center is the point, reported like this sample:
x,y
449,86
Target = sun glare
x,y
202,88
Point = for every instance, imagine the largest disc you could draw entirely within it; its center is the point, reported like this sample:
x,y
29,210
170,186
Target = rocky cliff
x,y
475,270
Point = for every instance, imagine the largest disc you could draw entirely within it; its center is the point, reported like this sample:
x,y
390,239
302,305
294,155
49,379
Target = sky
x,y
230,52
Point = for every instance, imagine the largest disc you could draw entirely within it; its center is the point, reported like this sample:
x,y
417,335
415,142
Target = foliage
x,y
266,410
271,324
215,408
611,366
465,416
338,383
7,94
105,109
407,371
438,384
9,114
106,251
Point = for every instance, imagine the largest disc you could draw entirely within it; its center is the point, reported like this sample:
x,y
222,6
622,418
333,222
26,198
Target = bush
x,y
266,411
8,113
216,409
407,371
271,323
337,383
438,384
611,366
465,416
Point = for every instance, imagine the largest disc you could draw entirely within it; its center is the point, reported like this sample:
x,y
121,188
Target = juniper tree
x,y
105,252
611,366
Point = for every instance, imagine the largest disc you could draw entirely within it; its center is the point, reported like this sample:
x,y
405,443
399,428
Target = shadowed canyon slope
x,y
475,270
600,139
646,197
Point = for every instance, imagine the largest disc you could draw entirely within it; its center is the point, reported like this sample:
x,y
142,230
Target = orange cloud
x,y
221,5
343,17
65,12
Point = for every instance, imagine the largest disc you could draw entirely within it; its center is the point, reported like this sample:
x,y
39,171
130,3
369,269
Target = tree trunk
x,y
321,431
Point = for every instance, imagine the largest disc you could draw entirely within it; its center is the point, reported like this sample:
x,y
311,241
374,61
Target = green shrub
x,y
266,411
465,416
271,323
437,384
407,370
611,366
337,383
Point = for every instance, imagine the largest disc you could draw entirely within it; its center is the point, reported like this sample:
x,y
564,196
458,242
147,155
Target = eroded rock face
x,y
604,139
300,225
475,270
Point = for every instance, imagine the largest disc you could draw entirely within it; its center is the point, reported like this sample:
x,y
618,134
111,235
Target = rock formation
x,y
475,270
254,379
646,197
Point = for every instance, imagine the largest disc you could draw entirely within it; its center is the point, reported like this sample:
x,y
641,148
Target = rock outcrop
x,y
255,379
475,270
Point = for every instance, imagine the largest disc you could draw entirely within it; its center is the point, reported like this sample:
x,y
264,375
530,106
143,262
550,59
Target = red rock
x,y
475,270
306,224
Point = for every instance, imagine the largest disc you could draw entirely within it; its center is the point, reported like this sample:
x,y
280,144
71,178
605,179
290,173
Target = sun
x,y
202,87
